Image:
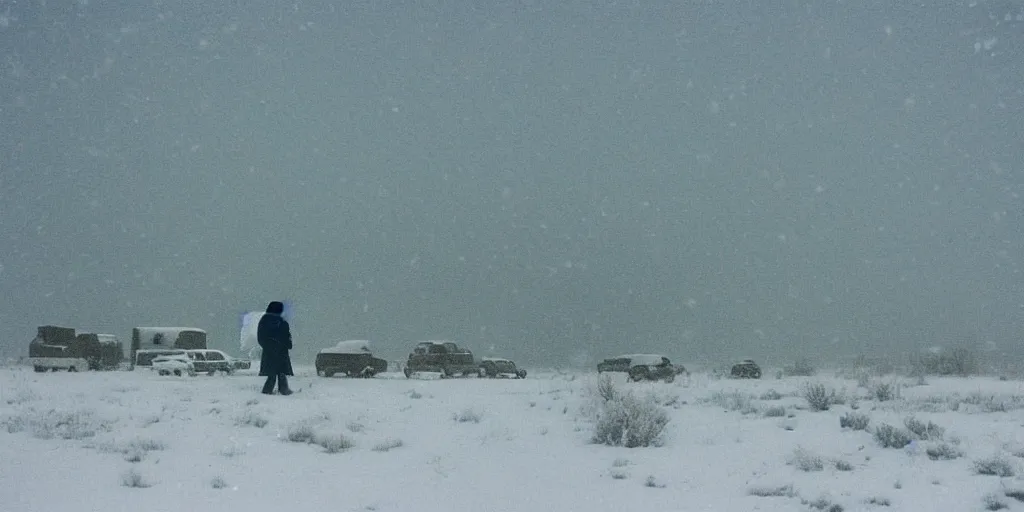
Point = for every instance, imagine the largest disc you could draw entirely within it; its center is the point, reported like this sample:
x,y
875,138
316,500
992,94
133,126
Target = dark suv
x,y
352,358
444,357
745,369
496,367
642,367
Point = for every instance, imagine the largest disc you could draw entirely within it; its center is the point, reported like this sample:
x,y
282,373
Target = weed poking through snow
x,y
388,445
334,443
469,415
132,478
782,491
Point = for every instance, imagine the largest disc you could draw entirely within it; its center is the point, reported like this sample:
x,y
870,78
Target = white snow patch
x,y
349,347
531,449
169,333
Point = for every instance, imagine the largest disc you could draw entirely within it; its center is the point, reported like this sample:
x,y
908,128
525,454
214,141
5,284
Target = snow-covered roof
x,y
496,359
434,342
168,332
349,347
642,358
107,339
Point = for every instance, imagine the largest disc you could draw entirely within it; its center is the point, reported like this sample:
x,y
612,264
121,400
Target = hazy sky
x,y
554,181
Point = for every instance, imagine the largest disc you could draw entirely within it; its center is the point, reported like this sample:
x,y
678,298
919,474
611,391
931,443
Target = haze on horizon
x,y
552,181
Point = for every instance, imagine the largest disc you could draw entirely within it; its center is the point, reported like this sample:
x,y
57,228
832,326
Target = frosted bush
x,y
606,388
301,433
628,421
944,451
819,398
885,391
52,424
994,466
805,460
924,431
854,421
388,445
132,478
334,443
252,419
889,436
469,415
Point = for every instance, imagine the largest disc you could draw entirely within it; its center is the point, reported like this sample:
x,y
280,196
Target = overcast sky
x,y
552,181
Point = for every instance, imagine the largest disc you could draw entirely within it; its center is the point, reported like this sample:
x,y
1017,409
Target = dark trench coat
x,y
275,338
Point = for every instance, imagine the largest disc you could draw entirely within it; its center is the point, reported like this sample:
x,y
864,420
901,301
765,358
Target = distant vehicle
x,y
745,369
60,348
211,361
166,338
352,358
444,357
177,365
642,367
144,358
496,367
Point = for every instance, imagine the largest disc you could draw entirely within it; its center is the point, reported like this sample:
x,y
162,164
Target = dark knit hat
x,y
275,308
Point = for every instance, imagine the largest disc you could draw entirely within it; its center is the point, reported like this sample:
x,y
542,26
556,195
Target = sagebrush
x,y
819,398
626,420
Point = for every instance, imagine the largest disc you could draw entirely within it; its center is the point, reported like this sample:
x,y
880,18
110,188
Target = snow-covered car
x,y
496,367
144,358
353,358
211,361
745,369
642,367
174,365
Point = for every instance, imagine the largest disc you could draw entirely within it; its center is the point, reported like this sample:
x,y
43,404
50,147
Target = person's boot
x,y
268,386
282,385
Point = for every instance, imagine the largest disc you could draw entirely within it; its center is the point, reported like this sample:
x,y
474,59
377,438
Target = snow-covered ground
x,y
136,441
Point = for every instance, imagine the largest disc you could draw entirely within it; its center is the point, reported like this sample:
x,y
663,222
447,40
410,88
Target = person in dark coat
x,y
275,337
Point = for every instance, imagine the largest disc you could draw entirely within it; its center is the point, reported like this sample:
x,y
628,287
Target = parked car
x,y
144,358
60,348
211,361
642,367
496,367
352,358
746,369
177,365
444,357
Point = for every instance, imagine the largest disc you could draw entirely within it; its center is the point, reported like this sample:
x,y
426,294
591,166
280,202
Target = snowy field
x,y
135,441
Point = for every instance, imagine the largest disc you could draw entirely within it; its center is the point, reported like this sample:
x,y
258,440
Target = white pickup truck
x,y
71,364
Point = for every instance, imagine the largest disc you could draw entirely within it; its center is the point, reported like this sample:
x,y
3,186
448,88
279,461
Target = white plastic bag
x,y
250,323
